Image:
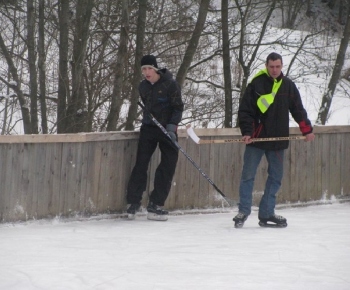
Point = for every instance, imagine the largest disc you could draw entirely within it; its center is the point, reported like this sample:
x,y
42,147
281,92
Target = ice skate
x,y
132,209
274,221
239,220
156,213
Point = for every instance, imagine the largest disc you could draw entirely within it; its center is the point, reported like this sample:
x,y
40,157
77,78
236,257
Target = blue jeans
x,y
252,158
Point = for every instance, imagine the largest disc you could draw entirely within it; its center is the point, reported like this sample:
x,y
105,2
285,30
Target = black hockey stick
x,y
230,202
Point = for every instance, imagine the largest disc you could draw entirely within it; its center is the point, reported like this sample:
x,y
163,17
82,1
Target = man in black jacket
x,y
161,96
264,112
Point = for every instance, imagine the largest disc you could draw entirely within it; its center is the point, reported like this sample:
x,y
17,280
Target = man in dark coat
x,y
161,96
264,112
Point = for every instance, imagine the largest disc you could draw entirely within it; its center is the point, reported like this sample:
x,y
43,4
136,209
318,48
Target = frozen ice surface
x,y
194,251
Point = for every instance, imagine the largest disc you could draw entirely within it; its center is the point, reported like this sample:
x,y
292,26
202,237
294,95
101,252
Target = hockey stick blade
x,y
192,134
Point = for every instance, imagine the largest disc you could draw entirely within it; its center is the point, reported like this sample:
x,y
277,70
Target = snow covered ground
x,y
192,251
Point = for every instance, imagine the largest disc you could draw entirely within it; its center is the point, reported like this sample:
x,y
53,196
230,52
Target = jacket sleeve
x,y
176,104
247,111
298,111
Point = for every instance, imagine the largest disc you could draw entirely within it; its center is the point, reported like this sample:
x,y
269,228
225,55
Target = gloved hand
x,y
171,128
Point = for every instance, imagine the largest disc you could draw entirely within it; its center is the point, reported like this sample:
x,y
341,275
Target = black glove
x,y
171,128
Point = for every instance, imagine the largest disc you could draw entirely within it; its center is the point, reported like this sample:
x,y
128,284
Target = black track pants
x,y
150,137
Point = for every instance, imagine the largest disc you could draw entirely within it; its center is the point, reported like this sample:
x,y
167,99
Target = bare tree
x,y
16,86
193,42
42,67
32,66
63,78
329,94
140,34
76,111
121,63
8,104
226,64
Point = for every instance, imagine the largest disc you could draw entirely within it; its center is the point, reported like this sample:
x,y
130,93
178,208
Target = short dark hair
x,y
274,56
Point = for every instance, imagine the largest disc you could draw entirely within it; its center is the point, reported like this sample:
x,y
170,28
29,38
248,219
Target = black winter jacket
x,y
162,99
275,121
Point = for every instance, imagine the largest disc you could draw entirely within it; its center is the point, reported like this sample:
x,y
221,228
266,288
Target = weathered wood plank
x,y
325,167
119,176
3,192
53,159
302,172
39,166
202,192
335,165
238,153
291,190
191,192
205,189
317,174
345,164
10,184
94,165
223,175
113,170
21,165
129,157
104,184
178,192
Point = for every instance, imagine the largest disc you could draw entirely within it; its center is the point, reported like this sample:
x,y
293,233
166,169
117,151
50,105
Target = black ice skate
x,y
239,220
132,209
274,221
156,213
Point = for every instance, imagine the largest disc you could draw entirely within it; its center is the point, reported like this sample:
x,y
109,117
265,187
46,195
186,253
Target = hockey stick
x,y
197,140
230,202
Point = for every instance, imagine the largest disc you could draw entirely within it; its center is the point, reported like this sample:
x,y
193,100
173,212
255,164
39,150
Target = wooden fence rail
x,y
44,176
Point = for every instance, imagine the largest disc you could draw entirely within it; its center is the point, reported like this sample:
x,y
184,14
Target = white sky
x,y
192,251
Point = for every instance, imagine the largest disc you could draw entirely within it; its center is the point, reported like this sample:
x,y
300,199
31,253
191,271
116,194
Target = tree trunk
x,y
193,42
63,79
226,64
328,95
343,8
76,111
41,66
16,86
140,35
7,109
33,94
121,64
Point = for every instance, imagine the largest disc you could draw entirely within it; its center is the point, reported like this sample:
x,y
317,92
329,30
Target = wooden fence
x,y
44,176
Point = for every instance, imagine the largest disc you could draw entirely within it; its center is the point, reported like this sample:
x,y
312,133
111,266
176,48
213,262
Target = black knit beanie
x,y
149,61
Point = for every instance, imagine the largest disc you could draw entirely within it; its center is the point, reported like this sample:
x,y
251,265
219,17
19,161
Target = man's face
x,y
150,74
274,68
